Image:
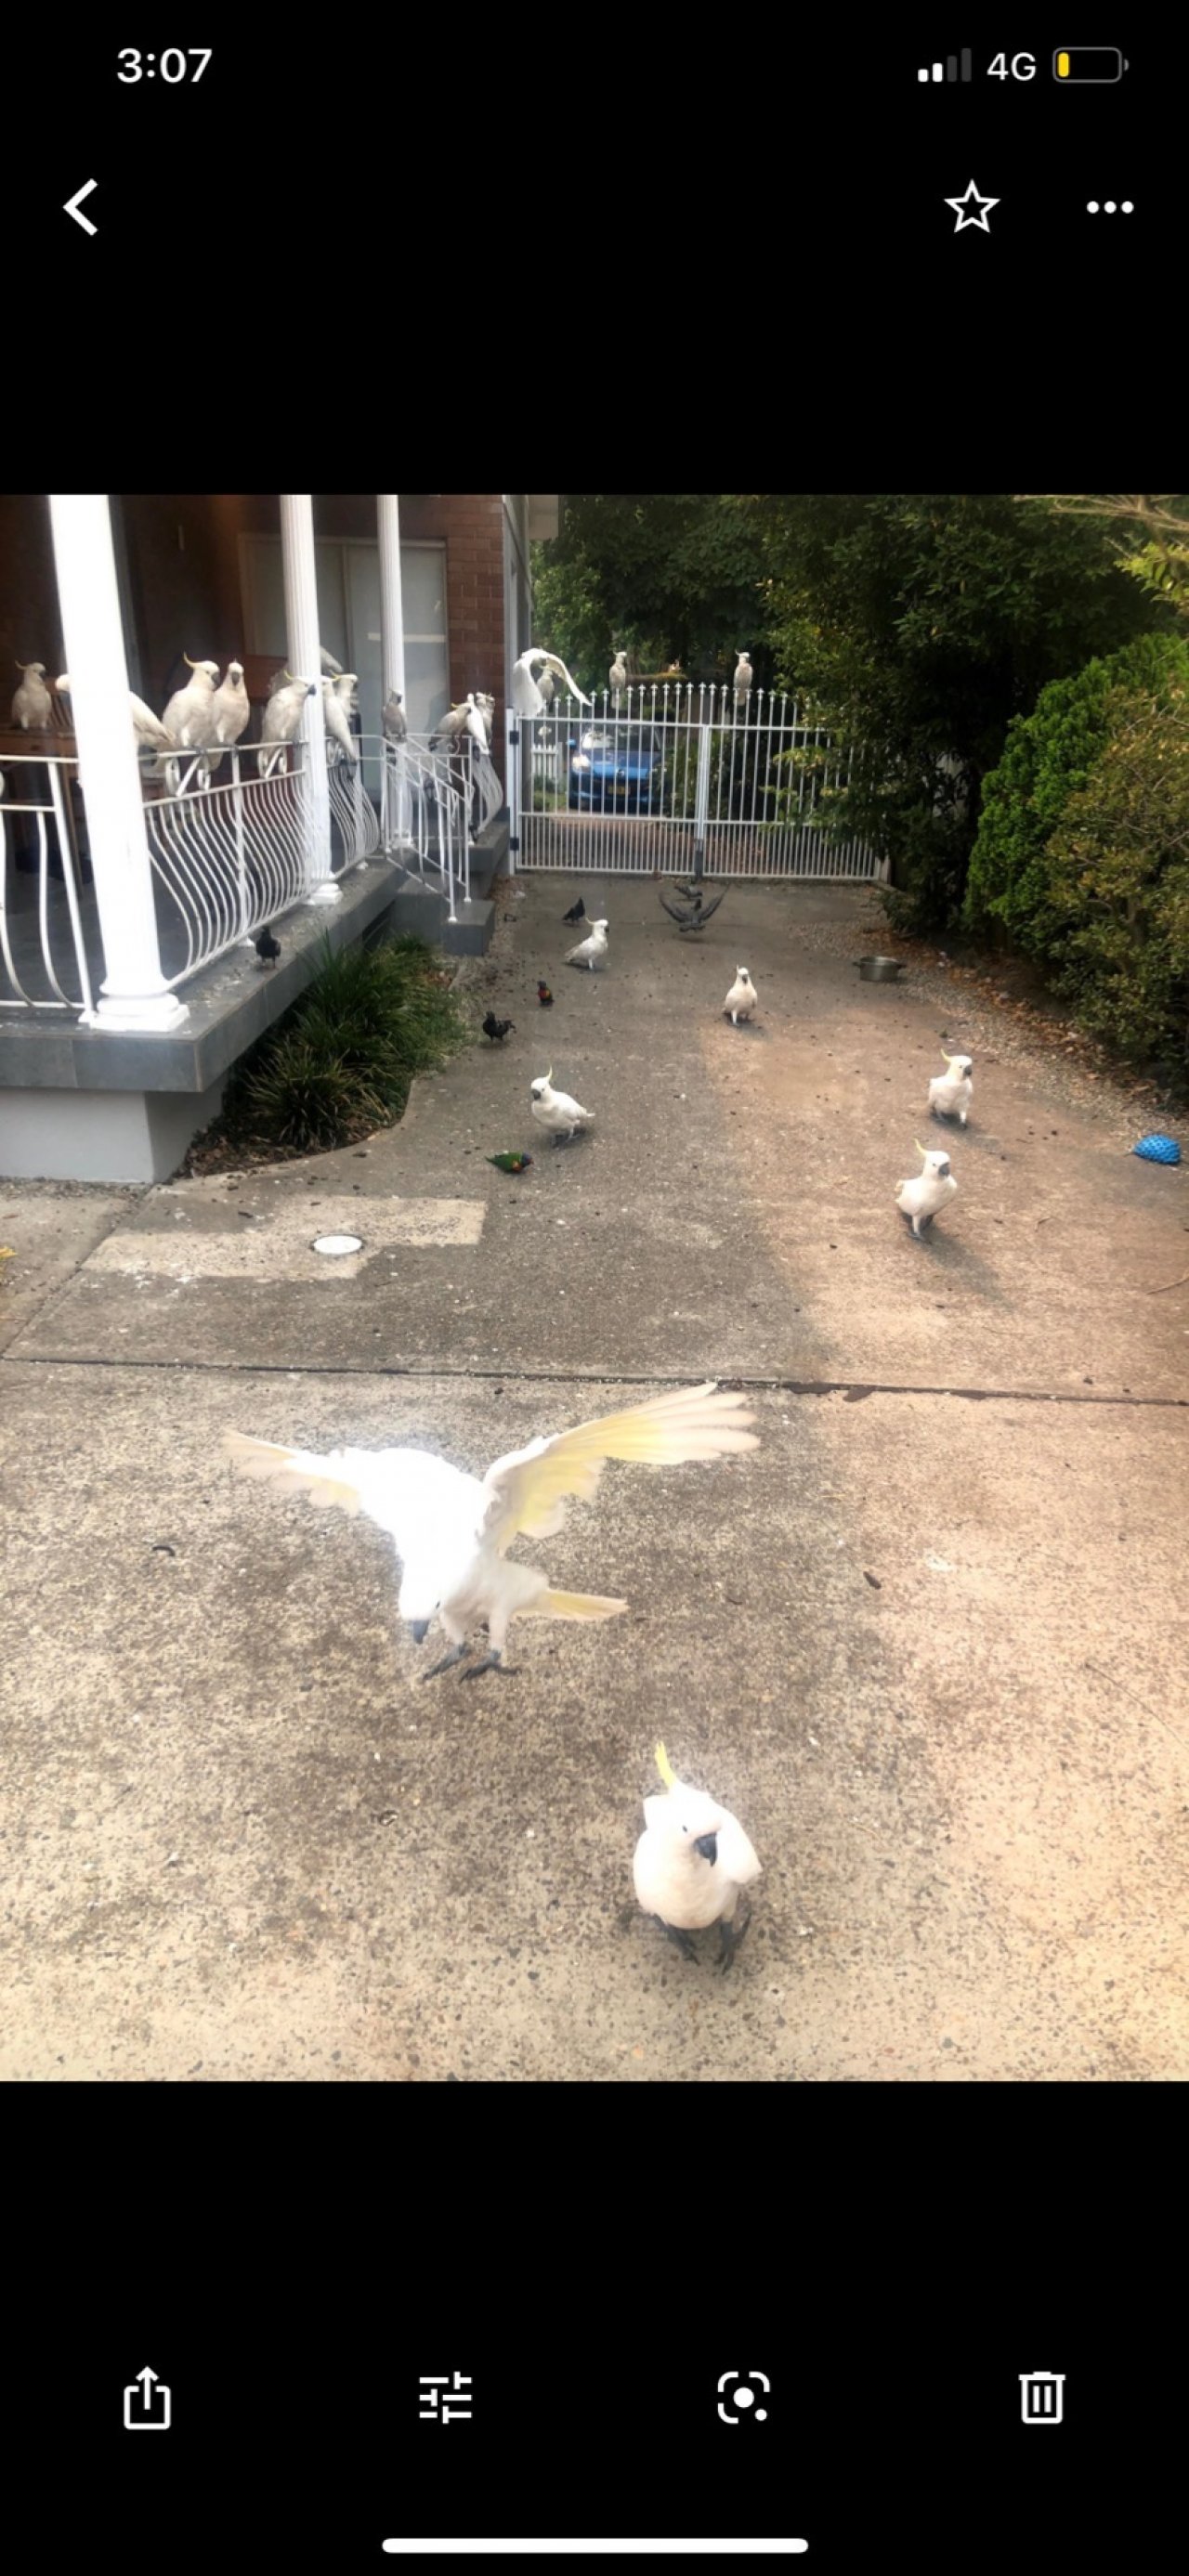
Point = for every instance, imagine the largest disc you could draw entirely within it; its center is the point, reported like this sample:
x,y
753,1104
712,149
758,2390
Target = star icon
x,y
972,210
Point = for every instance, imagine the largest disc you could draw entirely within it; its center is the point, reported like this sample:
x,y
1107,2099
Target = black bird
x,y
268,949
545,997
577,911
493,1028
698,914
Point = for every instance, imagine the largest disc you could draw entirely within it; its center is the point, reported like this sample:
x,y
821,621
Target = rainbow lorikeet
x,y
545,997
510,1162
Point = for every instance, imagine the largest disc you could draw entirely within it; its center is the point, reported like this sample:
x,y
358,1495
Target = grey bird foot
x,y
455,1656
682,1939
729,1940
492,1663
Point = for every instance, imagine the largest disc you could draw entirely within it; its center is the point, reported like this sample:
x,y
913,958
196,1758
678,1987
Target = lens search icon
x,y
743,2402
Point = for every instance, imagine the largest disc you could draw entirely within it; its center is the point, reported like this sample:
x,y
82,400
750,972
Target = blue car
x,y
617,769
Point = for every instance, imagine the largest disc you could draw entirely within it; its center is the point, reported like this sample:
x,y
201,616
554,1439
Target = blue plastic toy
x,y
1158,1149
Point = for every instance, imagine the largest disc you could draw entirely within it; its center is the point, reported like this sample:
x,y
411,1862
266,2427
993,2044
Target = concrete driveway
x,y
928,1640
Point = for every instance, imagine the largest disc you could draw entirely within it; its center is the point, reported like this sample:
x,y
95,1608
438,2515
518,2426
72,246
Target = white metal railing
x,y
485,786
226,859
669,776
43,942
425,813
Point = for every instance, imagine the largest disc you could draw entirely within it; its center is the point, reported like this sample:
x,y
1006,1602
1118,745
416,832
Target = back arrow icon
x,y
73,204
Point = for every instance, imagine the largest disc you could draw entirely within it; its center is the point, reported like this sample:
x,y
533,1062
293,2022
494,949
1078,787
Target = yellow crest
x,y
665,1767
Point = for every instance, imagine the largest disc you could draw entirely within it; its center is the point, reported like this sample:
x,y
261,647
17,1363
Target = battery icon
x,y
1089,63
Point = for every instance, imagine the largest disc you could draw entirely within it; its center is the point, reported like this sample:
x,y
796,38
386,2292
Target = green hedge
x,y
341,1061
1082,853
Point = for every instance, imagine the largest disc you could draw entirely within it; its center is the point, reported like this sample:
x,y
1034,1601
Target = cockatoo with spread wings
x,y
526,696
452,1530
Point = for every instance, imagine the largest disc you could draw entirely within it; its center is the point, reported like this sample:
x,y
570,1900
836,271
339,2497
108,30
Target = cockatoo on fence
x,y
743,680
337,728
617,676
282,717
922,1198
231,708
346,690
452,1530
546,684
742,998
394,719
692,1862
526,696
32,705
148,728
951,1094
553,1110
592,950
329,663
189,719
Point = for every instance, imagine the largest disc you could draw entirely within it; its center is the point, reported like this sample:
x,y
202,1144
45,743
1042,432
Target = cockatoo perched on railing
x,y
692,1862
395,721
468,718
282,717
923,1198
337,728
526,696
189,719
486,706
329,663
32,705
231,708
743,679
553,1110
951,1094
452,1530
148,728
617,676
346,690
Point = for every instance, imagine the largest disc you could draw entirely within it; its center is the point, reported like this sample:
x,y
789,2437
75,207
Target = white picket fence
x,y
675,778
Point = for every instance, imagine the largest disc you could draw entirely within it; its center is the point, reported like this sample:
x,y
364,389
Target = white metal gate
x,y
676,779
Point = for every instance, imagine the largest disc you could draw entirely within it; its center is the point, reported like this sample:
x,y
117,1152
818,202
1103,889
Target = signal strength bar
x,y
949,69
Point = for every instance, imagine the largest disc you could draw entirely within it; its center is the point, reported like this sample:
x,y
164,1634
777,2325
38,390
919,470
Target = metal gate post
x,y
701,803
513,735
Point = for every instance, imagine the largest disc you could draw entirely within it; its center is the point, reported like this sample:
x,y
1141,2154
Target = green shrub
x,y
1083,848
340,1062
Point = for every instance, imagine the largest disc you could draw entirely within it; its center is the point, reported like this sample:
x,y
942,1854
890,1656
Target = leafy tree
x,y
919,625
1160,560
674,577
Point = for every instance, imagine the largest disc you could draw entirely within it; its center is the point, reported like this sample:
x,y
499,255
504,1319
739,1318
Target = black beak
x,y
707,1844
419,1631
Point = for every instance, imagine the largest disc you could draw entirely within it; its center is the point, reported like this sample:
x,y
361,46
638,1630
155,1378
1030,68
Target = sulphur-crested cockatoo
x,y
546,684
281,721
526,696
189,719
231,708
921,1199
394,719
692,1862
553,1110
346,690
617,676
592,950
32,705
148,728
334,715
951,1094
743,677
742,998
452,1530
328,661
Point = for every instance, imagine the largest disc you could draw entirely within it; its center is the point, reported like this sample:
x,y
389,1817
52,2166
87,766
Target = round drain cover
x,y
333,1243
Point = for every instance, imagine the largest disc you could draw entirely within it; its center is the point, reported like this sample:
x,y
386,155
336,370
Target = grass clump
x,y
340,1062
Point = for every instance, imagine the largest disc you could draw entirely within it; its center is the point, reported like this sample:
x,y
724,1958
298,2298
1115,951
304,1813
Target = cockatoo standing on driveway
x,y
923,1197
691,1864
741,1000
452,1530
591,951
951,1094
553,1110
526,696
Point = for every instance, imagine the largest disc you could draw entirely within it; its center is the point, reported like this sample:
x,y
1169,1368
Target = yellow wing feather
x,y
293,1469
571,1605
527,1486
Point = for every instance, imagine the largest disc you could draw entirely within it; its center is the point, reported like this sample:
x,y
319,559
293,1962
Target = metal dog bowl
x,y
880,970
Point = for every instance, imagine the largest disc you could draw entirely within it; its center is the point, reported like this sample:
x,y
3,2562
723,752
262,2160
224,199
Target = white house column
x,y
392,611
305,662
134,993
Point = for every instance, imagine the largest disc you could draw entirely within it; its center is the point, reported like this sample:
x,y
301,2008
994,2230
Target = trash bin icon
x,y
1040,2396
